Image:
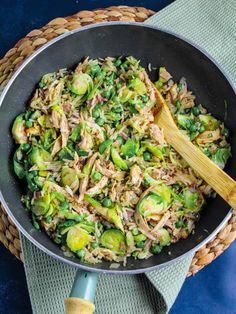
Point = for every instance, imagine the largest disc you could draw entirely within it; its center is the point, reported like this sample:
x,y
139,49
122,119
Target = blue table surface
x,y
211,291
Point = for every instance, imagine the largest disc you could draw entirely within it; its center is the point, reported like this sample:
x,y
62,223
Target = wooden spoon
x,y
222,183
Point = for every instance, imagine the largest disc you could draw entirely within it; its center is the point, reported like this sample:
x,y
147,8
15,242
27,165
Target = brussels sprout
x,y
41,205
75,134
69,177
164,237
147,156
48,137
18,130
94,245
156,151
210,123
135,231
129,240
140,238
190,200
126,95
38,156
164,191
150,204
185,121
81,83
104,145
130,148
89,226
77,238
138,86
66,153
118,161
114,240
221,157
18,167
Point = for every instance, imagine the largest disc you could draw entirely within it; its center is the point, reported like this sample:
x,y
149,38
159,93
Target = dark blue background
x,y
213,290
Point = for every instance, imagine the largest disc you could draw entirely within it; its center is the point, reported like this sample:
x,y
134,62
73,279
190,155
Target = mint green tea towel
x,y
211,25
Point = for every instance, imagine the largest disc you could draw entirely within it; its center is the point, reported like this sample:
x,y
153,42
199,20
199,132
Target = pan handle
x,y
82,294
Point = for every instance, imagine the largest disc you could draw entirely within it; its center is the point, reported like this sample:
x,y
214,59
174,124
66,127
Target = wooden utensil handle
x,y
78,306
222,183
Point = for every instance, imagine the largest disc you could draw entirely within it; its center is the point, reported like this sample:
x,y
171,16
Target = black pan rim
x,y
63,259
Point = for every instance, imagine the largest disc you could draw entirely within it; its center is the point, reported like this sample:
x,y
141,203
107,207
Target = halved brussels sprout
x,y
77,238
221,157
80,83
130,148
185,121
151,204
164,236
18,130
156,151
39,156
41,205
69,177
191,200
114,240
209,122
126,95
118,161
113,217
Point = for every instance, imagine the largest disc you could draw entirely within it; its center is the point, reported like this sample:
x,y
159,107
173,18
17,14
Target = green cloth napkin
x,y
211,25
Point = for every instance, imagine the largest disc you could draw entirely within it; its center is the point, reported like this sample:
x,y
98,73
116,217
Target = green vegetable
x,y
130,148
75,134
88,226
185,121
66,153
138,86
196,111
150,204
140,245
118,161
95,113
158,84
202,128
114,218
29,124
225,132
114,240
147,156
135,231
179,224
190,200
18,166
104,145
107,203
81,83
94,245
129,240
156,151
39,156
164,237
221,157
92,201
64,205
69,177
209,122
100,121
156,249
140,238
41,205
77,238
25,147
96,176
48,138
80,254
18,129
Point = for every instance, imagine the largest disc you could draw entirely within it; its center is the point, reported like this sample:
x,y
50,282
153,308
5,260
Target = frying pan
x,y
152,46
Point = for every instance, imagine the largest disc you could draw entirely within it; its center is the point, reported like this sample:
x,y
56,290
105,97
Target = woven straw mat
x,y
9,234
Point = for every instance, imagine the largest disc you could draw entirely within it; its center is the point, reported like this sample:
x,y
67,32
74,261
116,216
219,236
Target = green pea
x,y
25,147
135,253
145,98
193,128
135,231
140,238
118,85
156,249
42,84
96,176
118,109
207,152
179,224
106,93
33,173
147,156
125,66
196,111
100,121
202,128
64,205
140,245
225,132
95,69
28,124
120,139
49,219
82,152
95,113
180,87
107,203
94,245
158,84
81,254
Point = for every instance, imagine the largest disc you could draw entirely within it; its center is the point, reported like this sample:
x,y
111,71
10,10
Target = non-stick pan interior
x,y
150,46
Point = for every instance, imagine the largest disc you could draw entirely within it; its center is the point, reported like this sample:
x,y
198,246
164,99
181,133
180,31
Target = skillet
x,y
150,45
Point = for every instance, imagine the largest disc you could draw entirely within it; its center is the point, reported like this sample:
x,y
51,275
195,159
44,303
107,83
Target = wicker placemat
x,y
9,234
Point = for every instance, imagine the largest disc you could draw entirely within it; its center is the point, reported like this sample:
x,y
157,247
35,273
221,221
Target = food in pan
x,y
101,180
